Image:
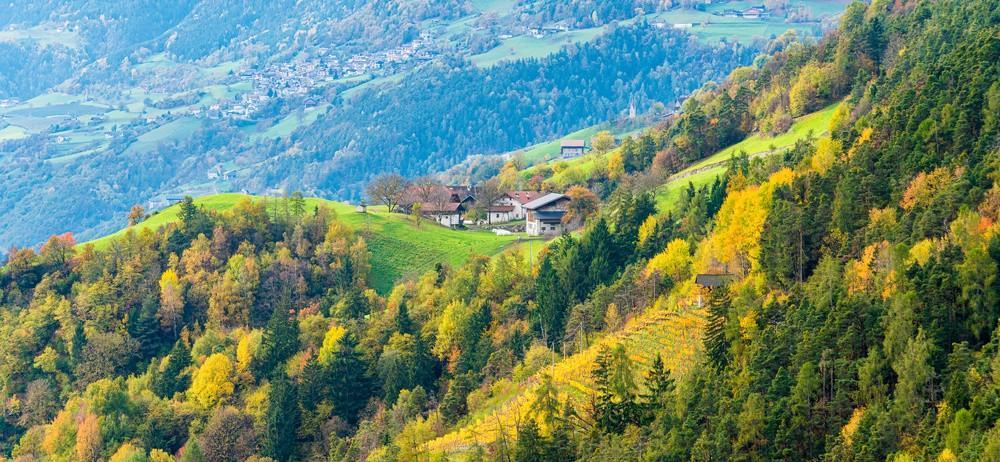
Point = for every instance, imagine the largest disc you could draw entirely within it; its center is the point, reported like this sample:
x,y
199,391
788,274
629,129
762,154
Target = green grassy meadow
x,y
527,46
44,35
12,132
667,194
814,124
398,247
291,122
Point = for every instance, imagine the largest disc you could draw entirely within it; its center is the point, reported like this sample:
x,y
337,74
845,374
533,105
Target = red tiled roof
x,y
525,196
450,207
502,208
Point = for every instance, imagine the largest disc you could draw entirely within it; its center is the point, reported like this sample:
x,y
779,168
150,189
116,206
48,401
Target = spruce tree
x,y
547,319
716,344
350,385
404,325
145,328
560,447
282,419
615,403
603,259
531,445
281,341
659,385
172,378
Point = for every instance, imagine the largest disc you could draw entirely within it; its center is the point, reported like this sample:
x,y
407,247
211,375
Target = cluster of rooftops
x,y
541,211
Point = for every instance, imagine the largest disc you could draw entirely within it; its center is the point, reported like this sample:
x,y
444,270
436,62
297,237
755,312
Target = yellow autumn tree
x,y
925,186
613,318
246,349
735,243
851,427
128,453
827,152
171,301
864,137
674,261
88,439
602,142
59,440
328,352
647,229
508,176
860,275
455,315
212,383
230,301
810,89
739,224
159,455
841,118
616,165
920,253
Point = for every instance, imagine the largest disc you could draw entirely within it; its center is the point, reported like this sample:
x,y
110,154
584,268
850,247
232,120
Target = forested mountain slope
x,y
857,320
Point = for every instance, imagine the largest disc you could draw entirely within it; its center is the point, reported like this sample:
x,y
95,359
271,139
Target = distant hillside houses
x,y
300,77
569,149
753,12
450,206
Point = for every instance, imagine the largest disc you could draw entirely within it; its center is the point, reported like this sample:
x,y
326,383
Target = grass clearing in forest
x,y
667,194
705,171
12,132
292,122
44,35
816,123
529,46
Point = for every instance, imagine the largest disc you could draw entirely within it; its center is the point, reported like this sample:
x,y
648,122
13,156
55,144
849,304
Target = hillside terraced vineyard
x,y
675,335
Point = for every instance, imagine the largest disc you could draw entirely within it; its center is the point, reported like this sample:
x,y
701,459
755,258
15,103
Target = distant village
x,y
299,78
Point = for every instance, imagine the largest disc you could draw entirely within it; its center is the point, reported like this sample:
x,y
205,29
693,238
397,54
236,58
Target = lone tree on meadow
x,y
603,142
136,215
387,189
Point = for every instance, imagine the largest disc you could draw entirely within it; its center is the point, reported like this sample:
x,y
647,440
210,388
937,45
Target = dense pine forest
x,y
858,321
